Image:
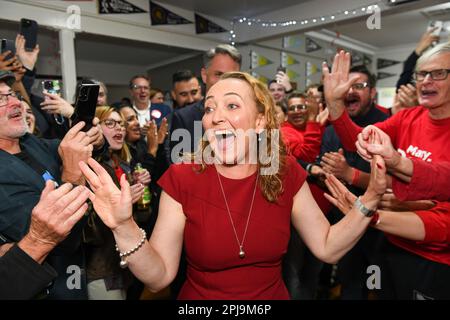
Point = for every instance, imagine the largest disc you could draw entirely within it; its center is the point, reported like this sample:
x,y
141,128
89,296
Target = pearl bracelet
x,y
124,263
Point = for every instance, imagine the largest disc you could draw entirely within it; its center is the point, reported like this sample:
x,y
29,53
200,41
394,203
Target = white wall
x,y
400,54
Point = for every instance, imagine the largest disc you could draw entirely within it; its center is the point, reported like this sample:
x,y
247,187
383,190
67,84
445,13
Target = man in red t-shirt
x,y
421,132
301,133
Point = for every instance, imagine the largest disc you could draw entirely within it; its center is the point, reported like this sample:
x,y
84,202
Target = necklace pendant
x,y
241,253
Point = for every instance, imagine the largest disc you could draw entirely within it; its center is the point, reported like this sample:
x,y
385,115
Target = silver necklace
x,y
241,244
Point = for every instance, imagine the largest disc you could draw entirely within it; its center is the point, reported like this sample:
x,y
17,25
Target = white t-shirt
x,y
143,115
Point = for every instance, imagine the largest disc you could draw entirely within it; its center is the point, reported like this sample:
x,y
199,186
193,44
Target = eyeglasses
x,y
111,123
136,87
4,98
439,74
297,107
359,85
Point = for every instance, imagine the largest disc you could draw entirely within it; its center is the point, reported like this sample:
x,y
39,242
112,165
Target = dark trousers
x,y
412,277
353,266
301,269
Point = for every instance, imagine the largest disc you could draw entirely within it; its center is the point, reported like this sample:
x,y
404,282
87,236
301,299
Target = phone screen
x,y
52,87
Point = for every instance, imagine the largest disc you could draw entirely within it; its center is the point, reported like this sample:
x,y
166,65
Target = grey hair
x,y
439,49
222,49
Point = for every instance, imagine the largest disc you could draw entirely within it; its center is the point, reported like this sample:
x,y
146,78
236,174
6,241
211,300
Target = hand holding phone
x,y
8,45
85,104
29,29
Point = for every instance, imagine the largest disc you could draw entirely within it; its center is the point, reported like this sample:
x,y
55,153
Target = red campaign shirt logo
x,y
156,114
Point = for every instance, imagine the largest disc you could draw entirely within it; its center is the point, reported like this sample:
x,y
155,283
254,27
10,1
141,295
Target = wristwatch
x,y
363,209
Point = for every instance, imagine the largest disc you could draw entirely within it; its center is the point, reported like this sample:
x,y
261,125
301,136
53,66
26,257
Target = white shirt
x,y
143,115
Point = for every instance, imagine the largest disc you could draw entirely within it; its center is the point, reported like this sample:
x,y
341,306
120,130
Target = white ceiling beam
x,y
55,17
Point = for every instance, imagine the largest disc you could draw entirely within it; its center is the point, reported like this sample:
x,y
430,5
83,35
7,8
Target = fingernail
x,y
379,166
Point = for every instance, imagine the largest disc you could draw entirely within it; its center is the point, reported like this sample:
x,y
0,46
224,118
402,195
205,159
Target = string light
x,y
251,22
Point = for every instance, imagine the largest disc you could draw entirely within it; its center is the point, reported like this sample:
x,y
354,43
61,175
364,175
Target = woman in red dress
x,y
232,214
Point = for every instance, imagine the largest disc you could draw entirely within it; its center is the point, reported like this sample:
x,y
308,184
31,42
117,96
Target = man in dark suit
x,y
23,269
216,61
26,163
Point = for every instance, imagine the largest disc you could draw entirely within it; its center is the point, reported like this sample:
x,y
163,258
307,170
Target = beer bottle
x,y
144,202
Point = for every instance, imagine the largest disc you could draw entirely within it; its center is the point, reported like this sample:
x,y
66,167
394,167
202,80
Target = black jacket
x,y
186,118
20,191
22,277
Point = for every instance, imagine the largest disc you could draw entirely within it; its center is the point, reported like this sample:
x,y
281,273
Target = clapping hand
x,y
112,205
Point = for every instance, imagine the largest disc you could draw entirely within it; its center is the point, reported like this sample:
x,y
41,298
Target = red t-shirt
x,y
215,270
303,144
415,135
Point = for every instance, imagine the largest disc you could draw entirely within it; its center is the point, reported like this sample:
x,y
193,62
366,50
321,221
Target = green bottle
x,y
144,202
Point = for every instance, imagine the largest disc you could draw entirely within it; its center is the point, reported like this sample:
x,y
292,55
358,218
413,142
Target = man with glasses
x,y
146,111
301,132
355,171
422,132
26,164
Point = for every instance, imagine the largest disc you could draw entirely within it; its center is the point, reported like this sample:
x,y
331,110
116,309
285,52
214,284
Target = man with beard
x,y
355,171
185,89
26,163
423,133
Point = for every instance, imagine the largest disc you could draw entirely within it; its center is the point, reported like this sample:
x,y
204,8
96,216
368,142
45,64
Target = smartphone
x,y
85,104
280,68
435,24
29,29
52,86
9,45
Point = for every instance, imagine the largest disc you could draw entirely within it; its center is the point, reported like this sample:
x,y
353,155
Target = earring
x,y
259,137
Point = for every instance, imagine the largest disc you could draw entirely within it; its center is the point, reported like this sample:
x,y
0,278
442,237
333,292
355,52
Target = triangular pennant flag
x,y
384,75
357,58
260,77
311,69
258,60
117,6
160,15
292,74
367,60
384,63
311,45
287,60
292,42
203,25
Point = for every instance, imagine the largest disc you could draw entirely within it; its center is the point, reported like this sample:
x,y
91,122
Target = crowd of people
x,y
355,184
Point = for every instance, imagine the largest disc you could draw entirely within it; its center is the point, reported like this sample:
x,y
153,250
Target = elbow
x,y
328,258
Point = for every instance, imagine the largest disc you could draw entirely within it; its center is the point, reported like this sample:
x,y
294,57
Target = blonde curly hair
x,y
271,184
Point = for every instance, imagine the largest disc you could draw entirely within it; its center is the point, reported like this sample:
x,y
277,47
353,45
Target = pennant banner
x,y
294,42
367,60
160,15
292,74
260,77
203,25
311,45
311,69
384,75
258,60
287,60
117,6
384,63
357,58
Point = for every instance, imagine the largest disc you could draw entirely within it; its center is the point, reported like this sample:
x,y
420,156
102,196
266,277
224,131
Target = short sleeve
x,y
171,182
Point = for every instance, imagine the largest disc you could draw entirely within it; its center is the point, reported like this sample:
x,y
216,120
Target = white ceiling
x,y
229,9
396,29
